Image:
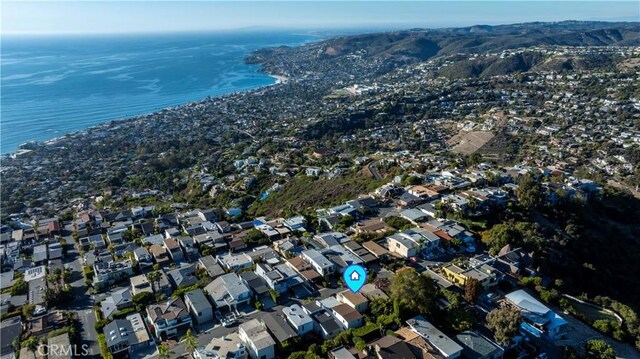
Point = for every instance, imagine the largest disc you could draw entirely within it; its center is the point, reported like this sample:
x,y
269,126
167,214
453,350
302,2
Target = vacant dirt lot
x,y
469,142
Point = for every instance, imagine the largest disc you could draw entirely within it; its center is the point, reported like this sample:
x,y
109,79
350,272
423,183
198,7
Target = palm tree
x,y
164,352
190,342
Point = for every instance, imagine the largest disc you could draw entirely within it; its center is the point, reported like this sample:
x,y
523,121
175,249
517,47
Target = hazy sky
x,y
169,16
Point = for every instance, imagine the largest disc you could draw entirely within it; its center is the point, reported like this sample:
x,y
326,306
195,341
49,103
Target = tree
x,y
141,300
529,191
596,348
398,222
411,292
472,289
164,352
255,237
190,342
31,344
154,277
19,287
505,323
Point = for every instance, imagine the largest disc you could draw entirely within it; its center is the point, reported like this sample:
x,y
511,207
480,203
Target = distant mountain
x,y
385,51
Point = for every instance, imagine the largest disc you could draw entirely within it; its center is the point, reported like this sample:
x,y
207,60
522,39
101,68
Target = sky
x,y
106,17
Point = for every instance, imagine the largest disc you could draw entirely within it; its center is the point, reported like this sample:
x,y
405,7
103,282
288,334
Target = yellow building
x,y
485,274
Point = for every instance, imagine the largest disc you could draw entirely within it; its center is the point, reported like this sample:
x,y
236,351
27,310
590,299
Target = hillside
x,y
369,54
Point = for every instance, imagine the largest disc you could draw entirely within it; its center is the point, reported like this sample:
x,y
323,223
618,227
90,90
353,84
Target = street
x,y
82,302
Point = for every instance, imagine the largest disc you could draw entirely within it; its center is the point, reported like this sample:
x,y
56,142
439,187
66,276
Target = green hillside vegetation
x,y
305,192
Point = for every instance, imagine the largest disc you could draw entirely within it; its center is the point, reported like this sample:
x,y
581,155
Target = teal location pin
x,y
354,277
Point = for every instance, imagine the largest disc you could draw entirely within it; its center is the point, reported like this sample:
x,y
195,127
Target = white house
x,y
299,319
257,339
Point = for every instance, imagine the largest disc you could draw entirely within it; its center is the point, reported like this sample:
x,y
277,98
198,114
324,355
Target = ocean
x,y
55,85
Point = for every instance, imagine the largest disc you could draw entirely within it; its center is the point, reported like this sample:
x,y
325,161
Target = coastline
x,y
34,144
240,77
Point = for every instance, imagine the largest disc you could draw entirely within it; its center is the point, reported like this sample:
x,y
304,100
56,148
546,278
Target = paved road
x,y
82,302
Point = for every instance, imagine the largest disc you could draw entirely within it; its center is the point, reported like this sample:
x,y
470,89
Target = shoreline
x,y
279,79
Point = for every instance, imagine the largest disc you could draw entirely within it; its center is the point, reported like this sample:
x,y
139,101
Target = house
x,y
476,346
22,265
459,274
169,319
347,316
10,329
257,284
402,245
142,255
184,276
156,239
303,268
127,335
198,306
274,279
256,338
389,347
516,263
356,249
226,347
414,215
409,200
40,254
340,353
371,291
96,242
375,225
319,262
327,325
277,326
228,290
162,285
412,242
107,273
424,193
538,319
299,319
296,223
377,250
445,345
140,284
356,301
173,248
159,254
235,262
118,300
55,250
34,273
209,264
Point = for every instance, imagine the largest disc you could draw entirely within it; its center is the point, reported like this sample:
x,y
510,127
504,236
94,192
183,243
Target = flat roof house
x,y
299,319
198,306
257,339
319,262
227,347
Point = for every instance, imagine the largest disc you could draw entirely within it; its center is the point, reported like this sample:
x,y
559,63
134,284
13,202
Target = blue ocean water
x,y
56,85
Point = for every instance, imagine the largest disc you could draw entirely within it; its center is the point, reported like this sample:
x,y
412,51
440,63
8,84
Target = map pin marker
x,y
354,277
